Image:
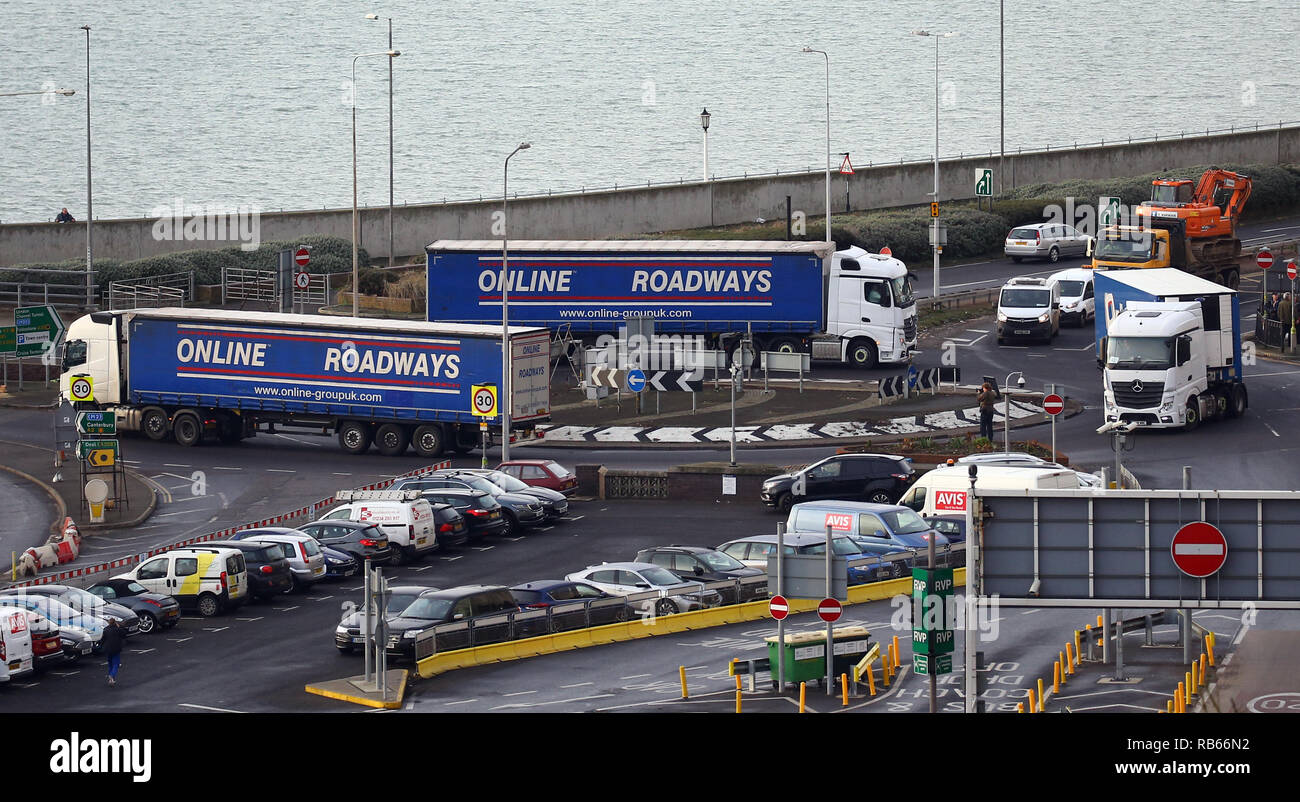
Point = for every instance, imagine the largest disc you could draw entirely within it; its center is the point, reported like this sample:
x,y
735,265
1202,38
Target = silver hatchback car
x,y
1048,241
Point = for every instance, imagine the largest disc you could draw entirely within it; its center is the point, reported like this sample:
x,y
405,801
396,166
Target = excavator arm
x,y
1225,189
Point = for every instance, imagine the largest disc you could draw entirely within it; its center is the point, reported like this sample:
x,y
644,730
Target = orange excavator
x,y
1205,216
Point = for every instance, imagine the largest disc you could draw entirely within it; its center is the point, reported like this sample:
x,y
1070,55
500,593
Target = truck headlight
x,y
1002,318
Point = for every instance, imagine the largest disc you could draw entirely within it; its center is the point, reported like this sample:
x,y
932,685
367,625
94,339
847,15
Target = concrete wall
x,y
596,215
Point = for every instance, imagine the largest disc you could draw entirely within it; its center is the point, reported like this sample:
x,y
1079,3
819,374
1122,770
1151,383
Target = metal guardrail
x,y
246,284
168,289
25,293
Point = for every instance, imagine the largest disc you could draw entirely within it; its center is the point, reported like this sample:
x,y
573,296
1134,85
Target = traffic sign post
x,y
81,388
778,607
983,182
1053,405
100,424
1291,274
846,166
829,610
635,381
483,404
36,329
932,622
98,453
1264,260
1199,549
302,256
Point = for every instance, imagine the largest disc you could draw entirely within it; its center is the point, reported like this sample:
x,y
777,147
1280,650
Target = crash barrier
x,y
62,547
309,509
782,362
442,662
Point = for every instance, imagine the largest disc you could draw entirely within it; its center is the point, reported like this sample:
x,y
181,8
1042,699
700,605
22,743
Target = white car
x,y
1021,460
625,579
1077,302
306,561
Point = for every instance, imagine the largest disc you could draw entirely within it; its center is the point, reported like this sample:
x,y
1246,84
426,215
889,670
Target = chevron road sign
x,y
602,376
669,381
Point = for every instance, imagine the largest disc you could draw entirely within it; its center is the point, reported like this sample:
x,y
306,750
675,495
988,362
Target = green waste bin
x,y
805,653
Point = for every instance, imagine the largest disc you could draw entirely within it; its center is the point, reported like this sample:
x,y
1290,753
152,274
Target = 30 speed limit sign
x,y
81,388
483,400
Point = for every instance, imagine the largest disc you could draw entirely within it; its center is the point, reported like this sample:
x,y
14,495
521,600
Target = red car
x,y
47,645
542,473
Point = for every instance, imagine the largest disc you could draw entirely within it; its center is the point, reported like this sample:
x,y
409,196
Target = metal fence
x,y
247,284
1271,332
635,484
170,289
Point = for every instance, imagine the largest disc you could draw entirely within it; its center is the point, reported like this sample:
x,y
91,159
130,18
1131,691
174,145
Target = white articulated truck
x,y
1170,347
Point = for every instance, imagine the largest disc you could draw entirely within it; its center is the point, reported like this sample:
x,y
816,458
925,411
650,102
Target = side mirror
x,y
912,276
642,586
457,616
699,571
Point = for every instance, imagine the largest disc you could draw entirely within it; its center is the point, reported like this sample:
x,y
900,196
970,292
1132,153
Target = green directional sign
x,y
86,447
942,664
932,617
37,329
8,339
1108,211
983,183
97,423
932,641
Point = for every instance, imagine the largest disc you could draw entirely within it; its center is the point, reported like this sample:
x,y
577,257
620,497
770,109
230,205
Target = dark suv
x,y
878,478
706,565
361,539
465,603
269,573
480,510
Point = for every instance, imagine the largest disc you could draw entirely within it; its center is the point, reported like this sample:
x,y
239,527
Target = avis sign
x,y
840,521
950,501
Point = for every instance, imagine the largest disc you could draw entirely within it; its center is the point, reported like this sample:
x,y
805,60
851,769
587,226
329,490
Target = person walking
x,y
112,646
987,399
65,217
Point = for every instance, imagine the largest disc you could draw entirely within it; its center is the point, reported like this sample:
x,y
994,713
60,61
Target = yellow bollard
x,y
737,682
884,671
844,689
1042,697
731,667
738,695
1033,706
1056,678
1209,646
896,653
1196,679
1169,705
1020,707
1069,657
1187,683
1204,681
1098,622
681,671
1060,661
1078,652
803,695
1178,699
871,680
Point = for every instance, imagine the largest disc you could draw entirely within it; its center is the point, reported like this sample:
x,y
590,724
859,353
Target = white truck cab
x,y
870,310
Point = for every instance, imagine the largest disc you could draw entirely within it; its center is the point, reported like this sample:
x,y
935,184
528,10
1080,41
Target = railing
x,y
635,484
25,293
246,284
169,289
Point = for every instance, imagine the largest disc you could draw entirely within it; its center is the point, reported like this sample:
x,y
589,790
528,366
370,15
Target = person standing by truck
x,y
987,399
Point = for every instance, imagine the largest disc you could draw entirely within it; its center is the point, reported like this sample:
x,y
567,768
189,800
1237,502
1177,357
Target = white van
x,y
1029,308
15,644
404,515
1077,302
209,579
943,490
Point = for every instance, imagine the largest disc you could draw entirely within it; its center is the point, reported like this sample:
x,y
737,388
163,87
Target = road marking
x,y
167,514
1265,231
458,556
696,668
1266,426
280,470
287,609
1037,356
182,640
553,701
484,548
75,673
358,587
259,618
639,676
422,568
1026,612
336,473
521,537
579,518
223,468
205,707
323,598
525,693
220,629
178,465
976,340
580,684
146,651
1090,346
461,702
972,331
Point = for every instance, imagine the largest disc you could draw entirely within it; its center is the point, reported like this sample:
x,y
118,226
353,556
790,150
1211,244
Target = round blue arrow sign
x,y
635,381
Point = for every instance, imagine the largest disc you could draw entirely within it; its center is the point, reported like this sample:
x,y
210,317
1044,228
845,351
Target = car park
x,y
403,515
1077,302
708,565
209,579
628,578
519,511
479,509
880,478
156,611
555,505
1048,241
364,541
347,635
16,658
887,523
268,569
84,601
542,473
759,551
1029,308
306,562
445,606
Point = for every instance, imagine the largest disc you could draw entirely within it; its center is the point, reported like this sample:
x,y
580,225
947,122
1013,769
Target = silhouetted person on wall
x,y
64,217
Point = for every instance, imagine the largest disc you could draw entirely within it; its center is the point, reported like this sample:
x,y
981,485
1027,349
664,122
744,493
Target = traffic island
x,y
355,690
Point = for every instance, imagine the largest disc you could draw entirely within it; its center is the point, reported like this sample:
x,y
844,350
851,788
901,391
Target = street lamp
x,y
935,223
704,122
1006,413
390,135
504,400
90,210
356,283
828,137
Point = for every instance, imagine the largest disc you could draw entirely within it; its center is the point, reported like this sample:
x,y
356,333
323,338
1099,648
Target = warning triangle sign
x,y
846,167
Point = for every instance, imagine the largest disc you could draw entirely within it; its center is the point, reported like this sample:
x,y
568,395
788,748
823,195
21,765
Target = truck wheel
x,y
862,354
153,422
354,436
1237,401
1220,404
428,440
392,439
1193,418
187,429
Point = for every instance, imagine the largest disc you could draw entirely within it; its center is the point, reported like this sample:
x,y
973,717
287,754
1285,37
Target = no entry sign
x,y
1053,404
829,610
778,607
1264,259
1290,269
1199,549
301,257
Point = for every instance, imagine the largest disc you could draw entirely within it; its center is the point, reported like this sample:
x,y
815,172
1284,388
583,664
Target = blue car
x,y
339,564
885,523
888,568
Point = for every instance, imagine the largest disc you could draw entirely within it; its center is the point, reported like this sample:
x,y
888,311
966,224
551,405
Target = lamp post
x,y
828,137
704,123
935,222
90,210
1006,413
356,284
504,400
390,135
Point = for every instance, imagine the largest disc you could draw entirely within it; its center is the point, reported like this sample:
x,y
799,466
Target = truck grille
x,y
1126,395
909,329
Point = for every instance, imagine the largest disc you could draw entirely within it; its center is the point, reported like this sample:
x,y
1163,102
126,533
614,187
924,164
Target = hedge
x,y
328,255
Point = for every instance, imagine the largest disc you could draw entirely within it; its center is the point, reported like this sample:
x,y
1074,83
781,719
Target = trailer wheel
x,y
786,345
1237,401
392,439
188,429
153,422
862,354
354,436
428,440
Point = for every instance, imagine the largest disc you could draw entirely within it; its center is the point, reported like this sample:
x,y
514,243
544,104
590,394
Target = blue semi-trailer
x,y
191,374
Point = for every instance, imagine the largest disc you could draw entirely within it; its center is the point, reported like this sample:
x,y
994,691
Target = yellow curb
x,y
362,700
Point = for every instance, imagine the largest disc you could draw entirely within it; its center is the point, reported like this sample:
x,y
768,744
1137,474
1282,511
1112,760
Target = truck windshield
x,y
1125,248
902,292
1025,299
1139,353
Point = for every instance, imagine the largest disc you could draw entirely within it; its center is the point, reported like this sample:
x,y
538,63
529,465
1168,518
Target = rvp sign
x,y
950,501
840,521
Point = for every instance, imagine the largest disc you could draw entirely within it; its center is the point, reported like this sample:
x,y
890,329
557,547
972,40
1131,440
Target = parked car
x,y
210,579
886,523
47,643
347,635
408,520
444,606
1021,460
480,510
363,540
519,510
542,473
554,503
1048,241
709,565
79,630
759,551
339,564
306,562
888,567
952,528
1077,301
879,478
625,579
269,573
85,602
157,611
543,593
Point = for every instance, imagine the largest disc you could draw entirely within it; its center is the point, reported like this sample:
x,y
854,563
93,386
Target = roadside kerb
x,y
61,507
635,630
309,509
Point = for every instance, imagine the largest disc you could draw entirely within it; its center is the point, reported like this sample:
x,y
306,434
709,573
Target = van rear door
x,y
15,644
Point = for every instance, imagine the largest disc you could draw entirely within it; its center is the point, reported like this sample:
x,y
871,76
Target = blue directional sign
x,y
635,381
